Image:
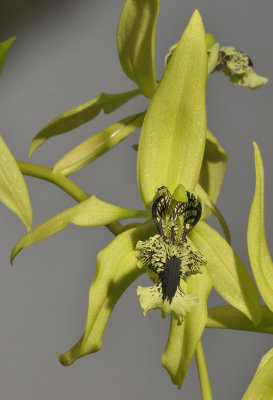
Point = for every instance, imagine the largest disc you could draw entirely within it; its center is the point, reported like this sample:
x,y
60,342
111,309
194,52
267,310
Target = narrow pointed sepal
x,y
116,270
261,386
13,189
259,256
90,212
81,114
229,276
184,338
173,136
4,48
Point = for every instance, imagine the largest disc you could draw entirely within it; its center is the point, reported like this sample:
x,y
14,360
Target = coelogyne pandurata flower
x,y
169,255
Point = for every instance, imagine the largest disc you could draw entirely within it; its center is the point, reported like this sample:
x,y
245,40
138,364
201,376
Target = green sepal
x,y
261,386
135,42
183,339
229,276
98,144
173,136
207,203
81,114
90,212
116,270
213,170
13,189
260,260
4,48
228,317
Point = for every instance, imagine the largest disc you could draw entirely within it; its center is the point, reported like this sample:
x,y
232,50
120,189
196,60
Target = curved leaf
x,y
4,48
229,276
173,136
90,212
183,338
213,169
259,256
98,144
116,270
79,115
228,317
13,189
135,41
261,386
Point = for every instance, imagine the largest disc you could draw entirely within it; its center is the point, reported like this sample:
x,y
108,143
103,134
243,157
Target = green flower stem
x,y
41,172
203,372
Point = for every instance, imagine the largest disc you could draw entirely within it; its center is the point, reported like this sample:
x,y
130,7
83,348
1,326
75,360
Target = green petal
x,y
208,204
81,114
135,41
4,48
259,256
173,136
98,144
210,39
261,386
183,338
13,189
229,276
213,57
228,317
90,212
213,169
116,270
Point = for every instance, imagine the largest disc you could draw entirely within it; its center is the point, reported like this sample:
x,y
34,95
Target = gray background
x,y
65,54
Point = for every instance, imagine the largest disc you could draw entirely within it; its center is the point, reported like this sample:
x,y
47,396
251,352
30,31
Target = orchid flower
x,y
184,256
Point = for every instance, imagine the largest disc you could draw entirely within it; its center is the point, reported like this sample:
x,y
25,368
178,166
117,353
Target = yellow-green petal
x,y
229,276
183,338
90,212
173,136
116,270
213,169
135,41
4,48
98,144
260,260
210,39
261,386
81,114
13,189
228,317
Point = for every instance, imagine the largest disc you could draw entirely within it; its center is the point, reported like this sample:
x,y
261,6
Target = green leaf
x,y
4,48
213,169
261,386
228,317
173,136
90,212
135,41
183,338
116,270
229,276
81,114
98,144
212,207
259,256
13,189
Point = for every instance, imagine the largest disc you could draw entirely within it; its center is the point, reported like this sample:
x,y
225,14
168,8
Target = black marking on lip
x,y
170,278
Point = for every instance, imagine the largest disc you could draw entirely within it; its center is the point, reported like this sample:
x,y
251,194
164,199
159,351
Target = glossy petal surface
x,y
116,270
173,136
229,276
98,144
260,260
90,212
81,114
135,41
13,189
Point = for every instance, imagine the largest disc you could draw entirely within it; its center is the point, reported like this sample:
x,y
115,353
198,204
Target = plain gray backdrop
x,y
65,53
